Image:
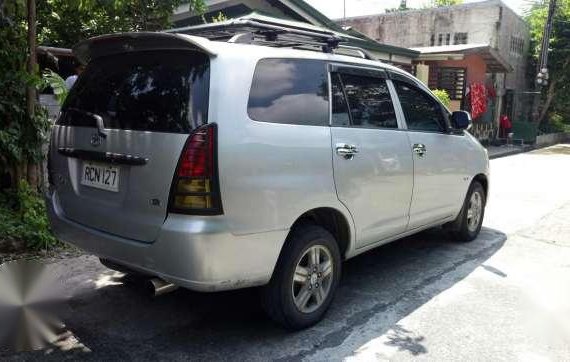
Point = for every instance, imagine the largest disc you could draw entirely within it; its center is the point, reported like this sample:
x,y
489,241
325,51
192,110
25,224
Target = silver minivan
x,y
217,165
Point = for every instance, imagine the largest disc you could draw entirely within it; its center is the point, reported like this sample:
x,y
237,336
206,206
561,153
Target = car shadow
x,y
120,320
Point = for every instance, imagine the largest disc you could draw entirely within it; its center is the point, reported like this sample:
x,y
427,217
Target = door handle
x,y
419,149
345,150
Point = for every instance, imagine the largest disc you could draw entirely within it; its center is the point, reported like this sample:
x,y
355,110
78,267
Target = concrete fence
x,y
552,139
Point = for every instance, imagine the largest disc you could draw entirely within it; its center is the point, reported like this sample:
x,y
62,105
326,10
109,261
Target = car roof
x,y
257,51
123,42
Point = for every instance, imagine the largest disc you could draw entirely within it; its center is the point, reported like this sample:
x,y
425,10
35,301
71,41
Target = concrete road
x,y
505,296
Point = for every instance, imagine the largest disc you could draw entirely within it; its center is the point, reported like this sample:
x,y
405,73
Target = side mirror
x,y
460,120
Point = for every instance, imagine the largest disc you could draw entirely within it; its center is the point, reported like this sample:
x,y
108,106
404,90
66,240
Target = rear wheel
x,y
305,278
468,224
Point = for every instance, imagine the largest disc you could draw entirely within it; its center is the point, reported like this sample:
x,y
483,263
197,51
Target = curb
x,y
513,152
527,148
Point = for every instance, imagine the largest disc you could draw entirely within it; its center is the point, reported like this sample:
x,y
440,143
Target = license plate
x,y
100,176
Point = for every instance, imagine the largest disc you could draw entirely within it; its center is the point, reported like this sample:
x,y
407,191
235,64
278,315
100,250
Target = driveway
x,y
505,296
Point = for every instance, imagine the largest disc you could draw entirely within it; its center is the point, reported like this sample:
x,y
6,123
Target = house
x,y
483,43
300,11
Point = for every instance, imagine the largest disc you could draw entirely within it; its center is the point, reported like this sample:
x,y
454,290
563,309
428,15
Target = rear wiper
x,y
98,120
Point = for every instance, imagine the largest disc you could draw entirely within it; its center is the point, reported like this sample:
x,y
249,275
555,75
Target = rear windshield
x,y
142,91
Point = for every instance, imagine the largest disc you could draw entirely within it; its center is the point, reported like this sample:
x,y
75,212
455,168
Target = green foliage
x,y
21,134
441,3
443,96
556,97
219,18
555,124
23,217
57,83
65,22
403,7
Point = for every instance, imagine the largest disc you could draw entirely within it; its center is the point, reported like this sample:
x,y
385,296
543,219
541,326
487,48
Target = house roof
x,y
495,63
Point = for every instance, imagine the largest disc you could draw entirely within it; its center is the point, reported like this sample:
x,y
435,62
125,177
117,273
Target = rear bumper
x,y
195,252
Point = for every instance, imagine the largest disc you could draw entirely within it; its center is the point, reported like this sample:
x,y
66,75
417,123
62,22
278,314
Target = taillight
x,y
195,187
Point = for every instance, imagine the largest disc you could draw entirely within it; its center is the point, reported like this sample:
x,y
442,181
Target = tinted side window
x,y
422,112
143,91
293,91
369,101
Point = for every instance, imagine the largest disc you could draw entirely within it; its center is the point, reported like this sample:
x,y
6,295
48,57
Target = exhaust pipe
x,y
160,287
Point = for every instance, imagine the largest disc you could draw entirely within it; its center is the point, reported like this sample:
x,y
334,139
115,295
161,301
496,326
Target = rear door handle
x,y
419,149
346,150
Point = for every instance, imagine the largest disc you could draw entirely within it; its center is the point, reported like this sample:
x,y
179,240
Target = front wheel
x,y
305,278
468,224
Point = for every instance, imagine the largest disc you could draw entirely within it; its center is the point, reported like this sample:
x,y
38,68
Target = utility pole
x,y
542,66
344,11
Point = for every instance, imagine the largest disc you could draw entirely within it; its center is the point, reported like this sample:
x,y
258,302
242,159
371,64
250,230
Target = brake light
x,y
195,187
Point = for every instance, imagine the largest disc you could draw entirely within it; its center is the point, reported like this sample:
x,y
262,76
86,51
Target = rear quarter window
x,y
290,91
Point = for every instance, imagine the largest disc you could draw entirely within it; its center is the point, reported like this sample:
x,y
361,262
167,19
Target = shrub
x,y
23,218
555,124
442,95
57,84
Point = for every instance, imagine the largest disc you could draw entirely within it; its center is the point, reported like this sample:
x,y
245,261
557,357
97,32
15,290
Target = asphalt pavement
x,y
505,296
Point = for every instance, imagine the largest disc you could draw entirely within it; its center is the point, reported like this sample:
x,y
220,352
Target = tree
x,y
555,98
403,7
23,124
65,22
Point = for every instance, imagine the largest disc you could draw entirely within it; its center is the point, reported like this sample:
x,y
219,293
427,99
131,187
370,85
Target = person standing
x,y
505,126
70,81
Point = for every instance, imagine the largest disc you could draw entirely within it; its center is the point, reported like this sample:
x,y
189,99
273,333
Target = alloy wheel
x,y
312,279
474,211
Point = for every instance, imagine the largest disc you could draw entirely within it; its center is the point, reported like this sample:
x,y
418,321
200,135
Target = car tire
x,y
469,221
300,290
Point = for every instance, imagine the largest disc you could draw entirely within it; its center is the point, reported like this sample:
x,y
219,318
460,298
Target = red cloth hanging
x,y
505,122
478,99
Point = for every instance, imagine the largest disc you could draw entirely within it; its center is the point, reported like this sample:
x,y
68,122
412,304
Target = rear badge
x,y
155,202
96,139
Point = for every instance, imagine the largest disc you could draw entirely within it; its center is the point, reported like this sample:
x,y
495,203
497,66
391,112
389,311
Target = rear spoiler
x,y
104,45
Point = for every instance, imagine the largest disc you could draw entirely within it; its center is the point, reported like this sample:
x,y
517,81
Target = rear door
x,y
373,168
121,131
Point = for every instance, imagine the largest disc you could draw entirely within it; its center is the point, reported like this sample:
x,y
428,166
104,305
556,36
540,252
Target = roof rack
x,y
283,34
